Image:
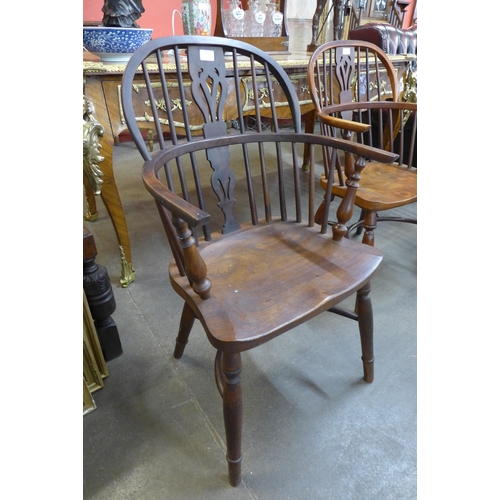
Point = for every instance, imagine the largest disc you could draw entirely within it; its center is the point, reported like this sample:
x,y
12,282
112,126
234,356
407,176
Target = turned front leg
x,y
365,323
233,413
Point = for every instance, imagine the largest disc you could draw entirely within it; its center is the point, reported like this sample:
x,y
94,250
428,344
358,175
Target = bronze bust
x,y
122,13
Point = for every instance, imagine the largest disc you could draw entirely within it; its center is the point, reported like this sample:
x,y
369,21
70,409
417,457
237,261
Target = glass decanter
x,y
274,20
254,25
234,17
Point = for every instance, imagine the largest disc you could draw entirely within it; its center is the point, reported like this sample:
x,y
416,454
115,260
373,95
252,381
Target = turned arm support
x,y
346,207
194,265
184,215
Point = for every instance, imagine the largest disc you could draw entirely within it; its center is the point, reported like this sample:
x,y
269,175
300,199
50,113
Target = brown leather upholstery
x,y
389,38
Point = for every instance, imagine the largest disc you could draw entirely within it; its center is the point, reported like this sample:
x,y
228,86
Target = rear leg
x,y
365,323
186,324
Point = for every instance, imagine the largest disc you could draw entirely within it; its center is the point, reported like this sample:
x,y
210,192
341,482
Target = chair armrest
x,y
193,215
403,108
356,106
345,124
172,202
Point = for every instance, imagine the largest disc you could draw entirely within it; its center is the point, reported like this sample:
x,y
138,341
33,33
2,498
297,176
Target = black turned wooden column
x,y
101,299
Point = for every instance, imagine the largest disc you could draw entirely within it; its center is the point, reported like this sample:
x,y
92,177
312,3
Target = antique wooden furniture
x,y
101,299
102,86
98,179
101,341
237,207
354,88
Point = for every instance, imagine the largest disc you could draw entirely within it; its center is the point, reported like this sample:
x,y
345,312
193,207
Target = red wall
x,y
157,15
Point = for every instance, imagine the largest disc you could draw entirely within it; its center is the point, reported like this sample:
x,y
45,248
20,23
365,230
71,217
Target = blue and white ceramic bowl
x,y
114,45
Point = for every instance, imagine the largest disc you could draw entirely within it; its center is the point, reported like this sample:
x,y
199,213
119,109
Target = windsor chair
x,y
356,95
248,259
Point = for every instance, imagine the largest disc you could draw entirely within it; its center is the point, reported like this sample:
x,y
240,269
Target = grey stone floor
x,y
312,428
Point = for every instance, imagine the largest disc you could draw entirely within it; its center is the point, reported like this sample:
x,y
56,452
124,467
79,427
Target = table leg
x,y
112,201
109,190
91,213
100,298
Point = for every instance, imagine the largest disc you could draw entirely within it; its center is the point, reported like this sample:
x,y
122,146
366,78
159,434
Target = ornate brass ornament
x,y
375,86
409,93
94,365
160,104
264,92
92,131
177,104
150,137
372,86
128,272
88,215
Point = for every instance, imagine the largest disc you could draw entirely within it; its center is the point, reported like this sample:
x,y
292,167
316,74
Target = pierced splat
x,y
345,71
209,90
207,70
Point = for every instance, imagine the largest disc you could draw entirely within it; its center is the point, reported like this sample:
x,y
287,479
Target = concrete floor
x,y
312,427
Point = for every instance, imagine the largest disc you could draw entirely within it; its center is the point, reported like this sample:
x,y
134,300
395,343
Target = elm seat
x,y
268,254
238,210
